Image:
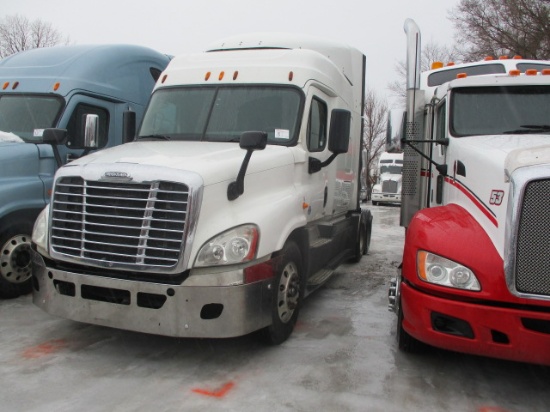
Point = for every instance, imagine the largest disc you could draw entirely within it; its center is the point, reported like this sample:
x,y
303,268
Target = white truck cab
x,y
238,197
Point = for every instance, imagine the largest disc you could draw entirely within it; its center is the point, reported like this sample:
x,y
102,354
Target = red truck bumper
x,y
506,333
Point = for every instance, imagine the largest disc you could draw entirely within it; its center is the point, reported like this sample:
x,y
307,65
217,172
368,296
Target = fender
x,y
452,232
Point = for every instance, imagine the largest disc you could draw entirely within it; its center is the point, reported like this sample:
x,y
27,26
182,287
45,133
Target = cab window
x,y
317,126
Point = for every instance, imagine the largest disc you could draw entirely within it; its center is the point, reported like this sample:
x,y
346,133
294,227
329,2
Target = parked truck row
x,y
239,195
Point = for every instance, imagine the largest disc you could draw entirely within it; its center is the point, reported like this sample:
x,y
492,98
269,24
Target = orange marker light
x,y
220,77
461,75
235,75
531,72
290,76
5,86
207,76
451,64
545,72
15,85
503,58
517,57
514,72
437,65
56,86
488,58
164,78
305,205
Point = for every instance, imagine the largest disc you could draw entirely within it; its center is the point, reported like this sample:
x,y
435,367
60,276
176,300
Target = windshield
x,y
500,110
28,115
222,114
393,169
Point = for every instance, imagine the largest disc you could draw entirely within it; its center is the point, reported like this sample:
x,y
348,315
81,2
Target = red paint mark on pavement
x,y
216,393
44,349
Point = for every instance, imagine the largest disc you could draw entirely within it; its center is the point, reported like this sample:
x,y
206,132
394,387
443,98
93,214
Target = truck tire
x,y
363,237
406,342
15,261
287,295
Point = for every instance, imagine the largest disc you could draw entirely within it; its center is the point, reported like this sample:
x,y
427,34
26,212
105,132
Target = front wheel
x,y
15,261
406,342
287,295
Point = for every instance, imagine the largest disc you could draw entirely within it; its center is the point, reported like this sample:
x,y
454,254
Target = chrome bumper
x,y
161,309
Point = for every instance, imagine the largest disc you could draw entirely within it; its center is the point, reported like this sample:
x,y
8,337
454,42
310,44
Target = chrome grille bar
x,y
128,224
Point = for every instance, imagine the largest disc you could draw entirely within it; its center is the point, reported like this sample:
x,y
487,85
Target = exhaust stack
x,y
411,196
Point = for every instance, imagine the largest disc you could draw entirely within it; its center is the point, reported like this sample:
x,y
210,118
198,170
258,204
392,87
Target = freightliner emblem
x,y
117,176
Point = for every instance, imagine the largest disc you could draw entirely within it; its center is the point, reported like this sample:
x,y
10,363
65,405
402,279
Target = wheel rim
x,y
288,292
15,259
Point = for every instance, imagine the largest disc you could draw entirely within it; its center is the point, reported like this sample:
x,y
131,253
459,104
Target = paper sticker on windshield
x,y
282,134
38,132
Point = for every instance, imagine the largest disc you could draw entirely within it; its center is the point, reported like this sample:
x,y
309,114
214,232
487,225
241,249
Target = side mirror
x,y
54,136
91,131
249,141
339,131
338,142
253,141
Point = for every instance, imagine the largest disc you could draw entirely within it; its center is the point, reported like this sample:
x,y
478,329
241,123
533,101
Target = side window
x,y
317,126
75,125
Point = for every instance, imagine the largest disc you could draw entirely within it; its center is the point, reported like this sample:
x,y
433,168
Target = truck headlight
x,y
40,231
236,245
436,269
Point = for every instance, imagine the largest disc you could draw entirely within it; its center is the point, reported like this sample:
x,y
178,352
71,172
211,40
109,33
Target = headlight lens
x,y
40,231
233,246
435,269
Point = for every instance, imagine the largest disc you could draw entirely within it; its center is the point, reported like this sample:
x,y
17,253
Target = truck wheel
x,y
15,261
406,342
287,295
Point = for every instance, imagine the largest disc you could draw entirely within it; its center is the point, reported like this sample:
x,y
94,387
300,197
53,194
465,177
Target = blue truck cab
x,y
59,88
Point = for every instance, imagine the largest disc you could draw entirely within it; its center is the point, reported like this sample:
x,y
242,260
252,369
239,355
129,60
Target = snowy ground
x,y
341,357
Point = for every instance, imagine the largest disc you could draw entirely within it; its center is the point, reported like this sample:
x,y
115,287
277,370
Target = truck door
x,y
317,185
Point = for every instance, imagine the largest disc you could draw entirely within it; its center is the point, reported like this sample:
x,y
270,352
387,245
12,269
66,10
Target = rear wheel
x,y
287,295
15,261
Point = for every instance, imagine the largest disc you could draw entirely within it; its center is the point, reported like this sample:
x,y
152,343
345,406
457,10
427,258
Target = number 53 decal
x,y
496,197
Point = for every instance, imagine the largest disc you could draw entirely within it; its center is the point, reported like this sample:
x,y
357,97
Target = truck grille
x,y
119,224
389,186
532,267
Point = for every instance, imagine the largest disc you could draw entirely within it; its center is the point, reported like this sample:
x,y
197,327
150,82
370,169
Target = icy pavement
x,y
341,357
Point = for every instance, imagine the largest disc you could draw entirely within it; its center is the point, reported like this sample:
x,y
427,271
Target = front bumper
x,y
499,332
386,197
161,309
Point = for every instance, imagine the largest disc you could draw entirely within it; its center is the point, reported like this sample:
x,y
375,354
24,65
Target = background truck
x,y
476,179
239,197
55,87
388,187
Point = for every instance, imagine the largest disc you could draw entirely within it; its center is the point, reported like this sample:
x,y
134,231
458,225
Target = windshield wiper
x,y
529,128
155,136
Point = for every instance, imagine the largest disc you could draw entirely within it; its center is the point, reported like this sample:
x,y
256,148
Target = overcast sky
x,y
181,26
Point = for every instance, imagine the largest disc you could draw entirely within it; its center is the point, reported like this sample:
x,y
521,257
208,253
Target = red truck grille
x,y
119,224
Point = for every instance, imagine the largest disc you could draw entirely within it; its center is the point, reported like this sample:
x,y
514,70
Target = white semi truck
x,y
389,181
476,181
238,197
